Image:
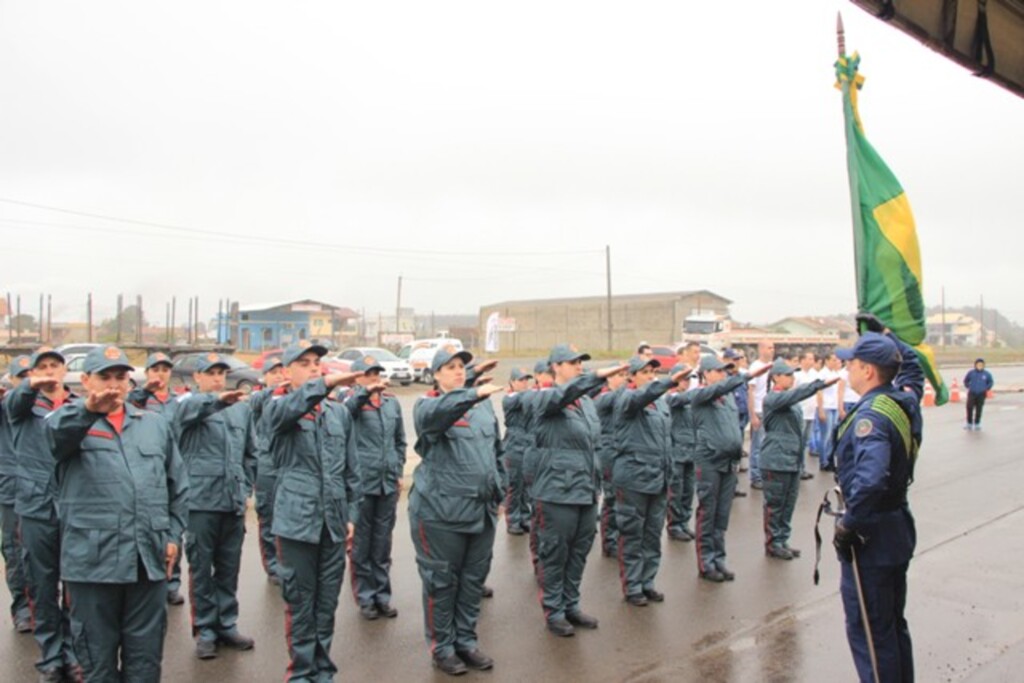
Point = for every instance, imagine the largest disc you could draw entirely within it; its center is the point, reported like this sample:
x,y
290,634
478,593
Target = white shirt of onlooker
x,y
849,395
829,396
759,385
808,405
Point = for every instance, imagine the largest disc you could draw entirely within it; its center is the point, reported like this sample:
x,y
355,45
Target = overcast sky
x,y
484,151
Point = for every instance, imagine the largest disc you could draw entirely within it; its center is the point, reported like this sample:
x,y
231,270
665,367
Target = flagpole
x,y
851,170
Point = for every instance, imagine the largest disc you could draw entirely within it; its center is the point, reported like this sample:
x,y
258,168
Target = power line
x,y
279,241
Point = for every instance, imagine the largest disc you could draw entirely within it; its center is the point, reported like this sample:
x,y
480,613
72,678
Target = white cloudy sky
x,y
484,151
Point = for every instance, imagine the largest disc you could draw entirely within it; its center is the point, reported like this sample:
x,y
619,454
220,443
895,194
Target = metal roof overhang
x,y
954,28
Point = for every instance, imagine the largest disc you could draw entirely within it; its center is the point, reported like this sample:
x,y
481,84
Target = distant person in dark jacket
x,y
978,382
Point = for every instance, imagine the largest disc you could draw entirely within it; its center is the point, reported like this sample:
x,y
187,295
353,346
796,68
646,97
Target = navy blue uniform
x,y
874,451
13,568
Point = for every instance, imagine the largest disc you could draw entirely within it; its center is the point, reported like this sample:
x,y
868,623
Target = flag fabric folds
x,y
886,253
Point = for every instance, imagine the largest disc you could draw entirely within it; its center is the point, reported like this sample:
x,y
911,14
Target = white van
x,y
419,353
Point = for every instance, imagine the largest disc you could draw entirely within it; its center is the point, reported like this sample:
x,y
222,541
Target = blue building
x,y
257,327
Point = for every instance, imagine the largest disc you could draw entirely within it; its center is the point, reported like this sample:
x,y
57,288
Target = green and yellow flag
x,y
887,257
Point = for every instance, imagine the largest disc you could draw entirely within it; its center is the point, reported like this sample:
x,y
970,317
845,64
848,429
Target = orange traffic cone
x,y
929,395
954,392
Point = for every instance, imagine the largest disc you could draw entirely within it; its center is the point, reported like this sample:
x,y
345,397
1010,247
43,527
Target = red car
x,y
262,358
666,357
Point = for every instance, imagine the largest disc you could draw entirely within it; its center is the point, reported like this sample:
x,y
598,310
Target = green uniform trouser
x,y
453,566
640,517
40,551
780,492
265,484
117,629
609,527
311,576
371,549
565,534
13,568
680,496
214,547
517,503
715,491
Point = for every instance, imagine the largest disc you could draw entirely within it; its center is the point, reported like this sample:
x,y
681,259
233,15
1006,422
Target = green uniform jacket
x,y
457,483
380,440
8,463
123,497
567,435
517,439
147,400
684,437
314,450
217,446
261,431
26,409
643,440
604,403
783,444
716,424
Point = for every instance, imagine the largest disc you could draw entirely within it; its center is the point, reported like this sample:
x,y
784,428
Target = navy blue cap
x,y
873,348
638,363
292,353
732,354
366,364
541,366
566,353
106,357
781,367
211,360
19,366
711,362
158,358
519,373
979,360
271,363
45,352
445,354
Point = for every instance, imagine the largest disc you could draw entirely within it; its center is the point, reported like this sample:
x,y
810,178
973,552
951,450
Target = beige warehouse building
x,y
654,318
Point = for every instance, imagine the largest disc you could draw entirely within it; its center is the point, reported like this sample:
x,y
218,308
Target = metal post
x,y
88,316
10,319
608,282
174,311
188,325
17,318
120,308
49,318
138,319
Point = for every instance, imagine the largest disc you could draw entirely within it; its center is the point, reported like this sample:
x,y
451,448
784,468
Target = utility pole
x,y
608,280
138,319
42,320
10,319
167,322
18,318
398,309
120,308
188,326
174,311
943,342
88,316
49,318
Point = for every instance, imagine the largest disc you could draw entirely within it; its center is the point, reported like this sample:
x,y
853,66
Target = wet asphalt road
x,y
771,624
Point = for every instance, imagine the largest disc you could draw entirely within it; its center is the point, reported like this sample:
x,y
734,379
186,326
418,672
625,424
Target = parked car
x,y
74,363
240,375
68,350
666,357
395,369
262,358
419,353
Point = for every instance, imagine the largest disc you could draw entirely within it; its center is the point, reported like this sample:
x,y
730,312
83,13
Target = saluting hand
x,y
486,390
485,379
152,385
681,375
605,373
106,401
760,371
171,555
485,365
44,383
230,397
834,380
338,379
378,387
